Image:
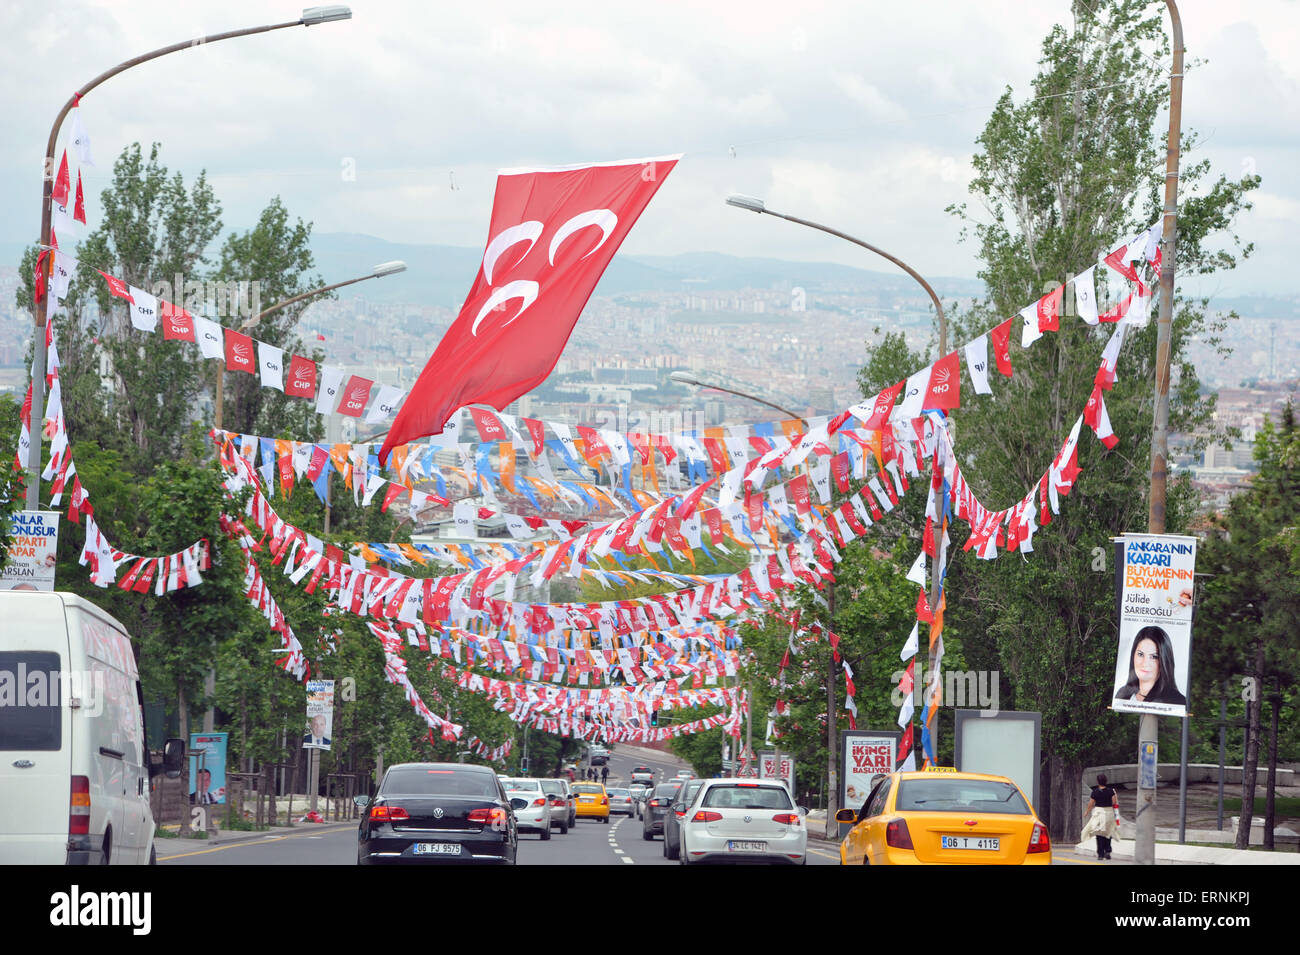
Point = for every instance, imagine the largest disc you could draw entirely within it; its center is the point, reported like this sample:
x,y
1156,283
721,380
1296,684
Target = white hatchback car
x,y
531,805
732,820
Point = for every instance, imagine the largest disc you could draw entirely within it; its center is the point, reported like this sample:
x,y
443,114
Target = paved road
x,y
590,842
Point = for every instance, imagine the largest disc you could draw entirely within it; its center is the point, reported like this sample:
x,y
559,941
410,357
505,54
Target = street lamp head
x,y
313,16
682,378
389,268
746,202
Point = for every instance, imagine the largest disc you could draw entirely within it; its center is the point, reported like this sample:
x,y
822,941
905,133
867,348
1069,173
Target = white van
x,y
74,764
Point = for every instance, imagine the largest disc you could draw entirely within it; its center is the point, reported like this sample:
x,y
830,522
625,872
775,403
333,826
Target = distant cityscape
x,y
797,347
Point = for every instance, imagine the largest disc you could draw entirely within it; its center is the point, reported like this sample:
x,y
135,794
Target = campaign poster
x,y
320,715
31,554
867,756
768,769
1156,589
208,773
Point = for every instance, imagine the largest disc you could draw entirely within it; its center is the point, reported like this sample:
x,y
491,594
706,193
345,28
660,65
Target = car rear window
x,y
31,712
527,785
618,792
747,797
960,795
416,781
552,786
580,788
667,789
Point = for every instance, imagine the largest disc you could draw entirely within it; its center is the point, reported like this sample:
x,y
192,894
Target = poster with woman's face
x,y
1153,665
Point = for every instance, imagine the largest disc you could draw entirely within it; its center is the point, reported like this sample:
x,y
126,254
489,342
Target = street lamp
x,y
682,378
378,272
311,16
754,204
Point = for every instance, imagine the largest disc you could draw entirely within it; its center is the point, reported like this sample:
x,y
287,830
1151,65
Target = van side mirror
x,y
173,757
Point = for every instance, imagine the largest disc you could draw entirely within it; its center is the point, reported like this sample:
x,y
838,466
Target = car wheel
x,y
564,828
108,846
546,832
606,820
153,855
664,848
647,835
671,852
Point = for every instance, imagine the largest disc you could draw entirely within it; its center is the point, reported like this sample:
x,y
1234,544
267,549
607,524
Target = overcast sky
x,y
860,115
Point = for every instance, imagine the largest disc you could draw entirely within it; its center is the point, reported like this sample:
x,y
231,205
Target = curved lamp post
x,y
312,16
683,378
757,205
378,272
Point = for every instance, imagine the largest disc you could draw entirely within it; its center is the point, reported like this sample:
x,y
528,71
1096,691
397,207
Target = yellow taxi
x,y
945,818
591,800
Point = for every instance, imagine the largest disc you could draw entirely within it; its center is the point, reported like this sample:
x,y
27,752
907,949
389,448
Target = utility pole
x,y
1148,727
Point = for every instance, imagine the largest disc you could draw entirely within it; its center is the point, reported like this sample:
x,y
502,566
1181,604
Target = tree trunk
x,y
1065,806
832,740
183,720
1270,795
1251,762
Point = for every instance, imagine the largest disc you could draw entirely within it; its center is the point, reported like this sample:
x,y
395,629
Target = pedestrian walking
x,y
604,774
1101,817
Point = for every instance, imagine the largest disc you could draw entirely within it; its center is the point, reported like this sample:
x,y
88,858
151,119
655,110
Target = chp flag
x,y
553,232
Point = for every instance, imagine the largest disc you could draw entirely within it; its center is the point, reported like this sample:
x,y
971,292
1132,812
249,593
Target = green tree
x,y
275,258
153,230
1062,177
1246,621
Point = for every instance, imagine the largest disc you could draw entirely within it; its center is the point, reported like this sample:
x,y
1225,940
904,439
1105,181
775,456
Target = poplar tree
x,y
1062,176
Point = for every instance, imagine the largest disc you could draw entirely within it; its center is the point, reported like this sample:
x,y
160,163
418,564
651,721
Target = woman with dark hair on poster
x,y
1151,670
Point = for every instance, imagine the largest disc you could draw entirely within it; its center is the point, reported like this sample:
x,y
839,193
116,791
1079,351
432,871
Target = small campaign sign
x,y
30,556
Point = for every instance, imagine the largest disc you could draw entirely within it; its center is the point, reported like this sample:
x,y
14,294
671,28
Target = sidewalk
x,y
1170,853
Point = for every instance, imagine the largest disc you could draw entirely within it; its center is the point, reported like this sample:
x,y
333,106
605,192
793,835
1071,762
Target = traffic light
x,y
654,718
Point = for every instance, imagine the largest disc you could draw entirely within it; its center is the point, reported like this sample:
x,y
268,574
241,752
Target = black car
x,y
439,813
660,802
673,819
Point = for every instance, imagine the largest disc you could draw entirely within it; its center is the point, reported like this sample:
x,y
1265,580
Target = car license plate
x,y
437,849
991,843
737,846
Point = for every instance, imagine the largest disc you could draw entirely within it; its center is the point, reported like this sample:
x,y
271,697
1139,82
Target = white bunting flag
x,y
912,645
328,395
384,406
271,361
144,310
913,396
917,573
80,139
977,364
908,708
1085,295
1029,332
211,341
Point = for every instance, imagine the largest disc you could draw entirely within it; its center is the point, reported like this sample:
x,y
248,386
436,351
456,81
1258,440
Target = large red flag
x,y
552,234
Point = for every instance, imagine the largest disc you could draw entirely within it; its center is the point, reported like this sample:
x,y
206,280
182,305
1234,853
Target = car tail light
x,y
705,816
1039,840
489,816
787,818
389,814
539,802
79,807
604,800
654,802
896,835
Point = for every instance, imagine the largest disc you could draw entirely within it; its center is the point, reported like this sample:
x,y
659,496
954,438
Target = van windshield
x,y
31,714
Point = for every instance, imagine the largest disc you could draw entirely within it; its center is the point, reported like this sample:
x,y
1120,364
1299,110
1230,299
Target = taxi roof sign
x,y
940,769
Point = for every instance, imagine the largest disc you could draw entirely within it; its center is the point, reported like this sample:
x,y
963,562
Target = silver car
x,y
620,800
